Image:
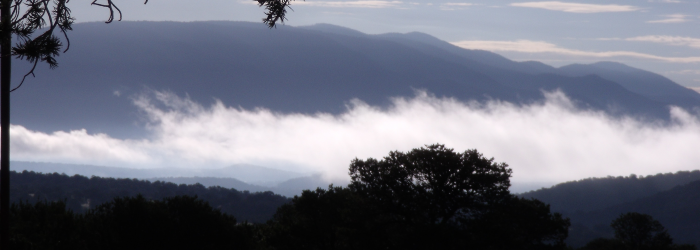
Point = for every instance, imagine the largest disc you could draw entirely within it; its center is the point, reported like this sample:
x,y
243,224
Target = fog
x,y
544,143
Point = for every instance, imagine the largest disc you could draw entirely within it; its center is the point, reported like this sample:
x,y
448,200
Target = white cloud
x,y
664,1
455,6
458,4
352,4
670,40
577,7
684,72
543,142
527,46
675,18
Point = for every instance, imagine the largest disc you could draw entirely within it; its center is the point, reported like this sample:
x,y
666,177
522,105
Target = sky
x,y
661,36
544,143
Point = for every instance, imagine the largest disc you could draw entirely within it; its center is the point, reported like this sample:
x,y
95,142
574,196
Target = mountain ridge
x,y
322,70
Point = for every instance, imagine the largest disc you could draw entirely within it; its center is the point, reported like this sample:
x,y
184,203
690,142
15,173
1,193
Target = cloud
x,y
684,72
664,1
577,7
670,40
458,4
547,142
455,6
352,4
675,18
527,46
695,88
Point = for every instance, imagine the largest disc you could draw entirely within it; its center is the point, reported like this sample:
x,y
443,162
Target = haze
x,y
544,143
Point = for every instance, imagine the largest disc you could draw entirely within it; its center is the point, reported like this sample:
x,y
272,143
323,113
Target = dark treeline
x,y
427,198
672,198
598,193
81,193
677,209
179,222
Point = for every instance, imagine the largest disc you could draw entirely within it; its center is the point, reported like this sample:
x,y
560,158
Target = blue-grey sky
x,y
661,36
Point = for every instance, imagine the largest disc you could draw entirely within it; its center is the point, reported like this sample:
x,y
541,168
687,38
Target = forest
x,y
428,198
80,194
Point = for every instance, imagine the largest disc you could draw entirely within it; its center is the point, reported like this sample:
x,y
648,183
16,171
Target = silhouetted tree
x,y
321,219
23,18
45,225
429,198
641,231
518,223
604,244
432,184
635,231
180,222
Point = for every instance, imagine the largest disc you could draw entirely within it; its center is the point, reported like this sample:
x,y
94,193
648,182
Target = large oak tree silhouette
x,y
53,19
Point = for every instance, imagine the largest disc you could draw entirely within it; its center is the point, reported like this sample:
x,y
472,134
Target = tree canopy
x,y
428,198
432,183
636,231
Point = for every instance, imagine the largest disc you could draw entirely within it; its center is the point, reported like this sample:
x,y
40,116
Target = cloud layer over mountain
x,y
545,142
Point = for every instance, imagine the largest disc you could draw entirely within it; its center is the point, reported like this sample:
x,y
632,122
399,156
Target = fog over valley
x,y
545,143
121,98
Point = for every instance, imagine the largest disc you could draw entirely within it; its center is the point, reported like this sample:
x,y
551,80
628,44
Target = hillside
x,y
677,209
598,193
81,193
299,69
591,204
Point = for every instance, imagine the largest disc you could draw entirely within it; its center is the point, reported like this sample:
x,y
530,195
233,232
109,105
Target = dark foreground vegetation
x,y
428,198
79,193
672,198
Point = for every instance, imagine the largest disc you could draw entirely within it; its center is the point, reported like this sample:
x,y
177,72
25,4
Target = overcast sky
x,y
661,36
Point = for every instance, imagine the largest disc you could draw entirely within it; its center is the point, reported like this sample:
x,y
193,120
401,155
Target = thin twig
x,y
31,72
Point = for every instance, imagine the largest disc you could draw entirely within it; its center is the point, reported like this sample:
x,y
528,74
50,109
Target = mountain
x,y
249,174
598,193
241,177
309,69
81,193
650,85
676,209
592,204
288,188
214,182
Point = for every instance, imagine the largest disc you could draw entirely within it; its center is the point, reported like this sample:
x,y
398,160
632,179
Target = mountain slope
x,y
650,85
676,209
288,69
249,174
81,193
598,193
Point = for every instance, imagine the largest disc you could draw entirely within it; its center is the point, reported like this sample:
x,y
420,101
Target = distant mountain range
x,y
308,69
241,177
81,193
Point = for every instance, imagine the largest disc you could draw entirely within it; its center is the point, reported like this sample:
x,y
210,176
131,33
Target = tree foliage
x,y
180,222
432,184
80,193
636,231
428,198
640,231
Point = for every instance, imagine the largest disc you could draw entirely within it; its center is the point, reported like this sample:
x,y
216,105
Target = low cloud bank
x,y
547,142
